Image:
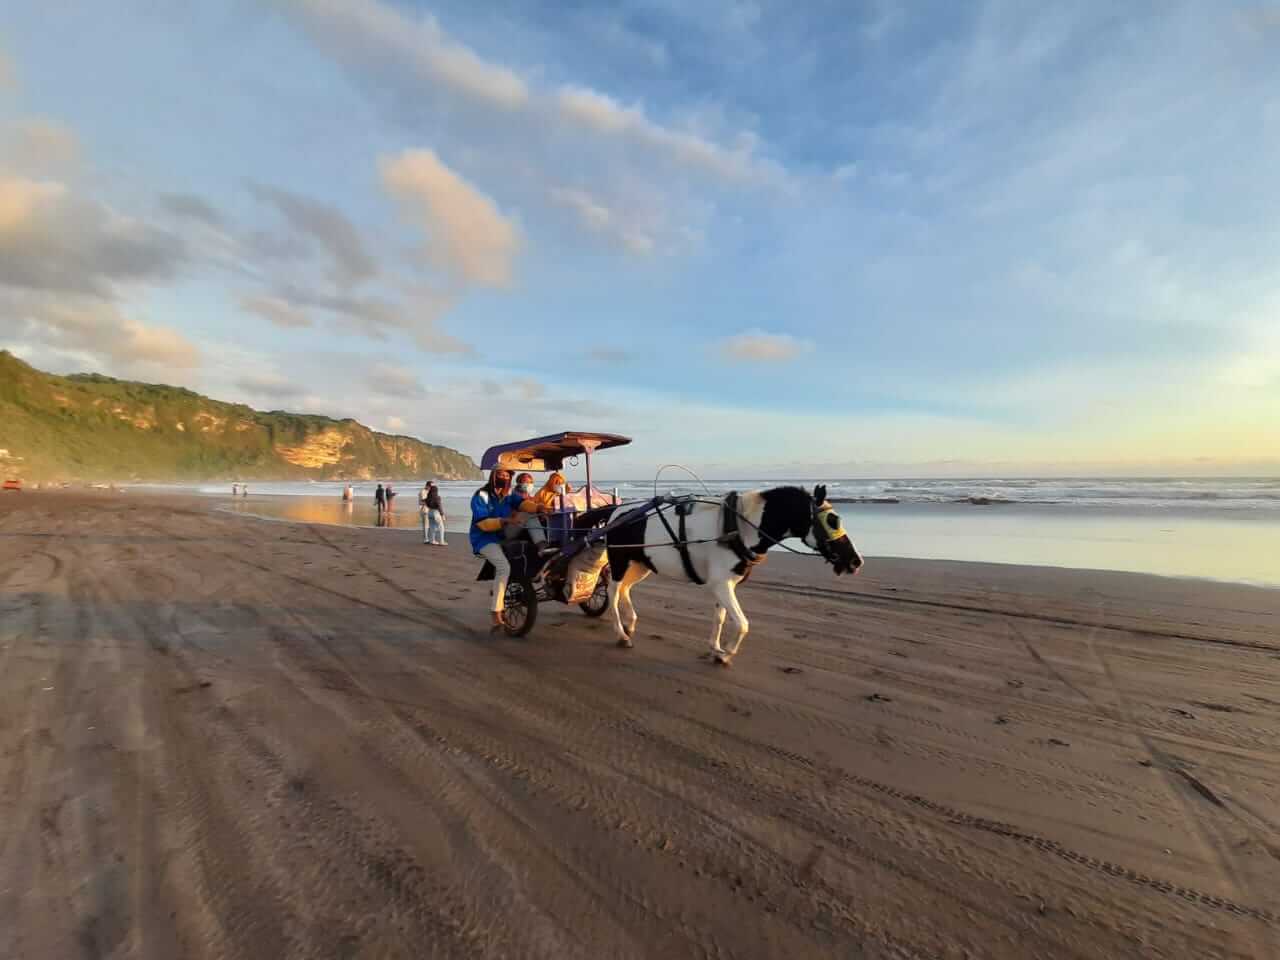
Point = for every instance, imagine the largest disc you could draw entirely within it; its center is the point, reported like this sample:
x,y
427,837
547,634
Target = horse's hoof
x,y
625,643
722,659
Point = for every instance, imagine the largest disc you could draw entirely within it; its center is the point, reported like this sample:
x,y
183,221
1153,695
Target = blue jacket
x,y
484,506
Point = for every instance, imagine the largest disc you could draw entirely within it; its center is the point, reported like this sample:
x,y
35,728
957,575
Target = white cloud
x,y
21,200
64,262
597,218
375,33
527,388
39,146
395,423
605,116
98,330
191,207
415,313
275,310
467,236
756,346
52,240
328,227
390,380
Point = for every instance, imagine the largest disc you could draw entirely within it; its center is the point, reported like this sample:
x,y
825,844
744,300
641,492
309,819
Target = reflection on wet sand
x,y
321,510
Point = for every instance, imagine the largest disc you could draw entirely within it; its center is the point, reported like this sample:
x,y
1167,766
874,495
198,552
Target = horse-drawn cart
x,y
711,541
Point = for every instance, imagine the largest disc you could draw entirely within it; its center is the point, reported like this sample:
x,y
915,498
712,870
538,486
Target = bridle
x,y
825,527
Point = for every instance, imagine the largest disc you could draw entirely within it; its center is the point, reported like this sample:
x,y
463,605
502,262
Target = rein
x,y
819,553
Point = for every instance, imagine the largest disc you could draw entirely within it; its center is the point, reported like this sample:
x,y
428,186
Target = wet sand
x,y
224,737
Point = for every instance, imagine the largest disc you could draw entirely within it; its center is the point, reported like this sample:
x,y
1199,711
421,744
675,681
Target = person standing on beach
x,y
432,509
380,498
235,489
422,509
435,515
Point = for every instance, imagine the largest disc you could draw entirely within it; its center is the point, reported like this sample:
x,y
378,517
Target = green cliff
x,y
90,427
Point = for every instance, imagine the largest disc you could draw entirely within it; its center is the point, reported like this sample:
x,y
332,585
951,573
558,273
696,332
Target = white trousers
x,y
501,573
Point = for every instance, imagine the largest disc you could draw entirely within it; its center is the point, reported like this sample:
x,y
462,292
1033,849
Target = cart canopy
x,y
550,452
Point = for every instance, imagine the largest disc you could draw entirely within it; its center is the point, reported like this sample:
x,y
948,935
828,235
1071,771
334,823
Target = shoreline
x,y
408,522
775,557
408,519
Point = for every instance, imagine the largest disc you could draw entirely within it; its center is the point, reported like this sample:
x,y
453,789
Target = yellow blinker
x,y
831,523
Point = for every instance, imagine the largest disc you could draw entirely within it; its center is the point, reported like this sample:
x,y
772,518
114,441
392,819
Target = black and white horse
x,y
717,543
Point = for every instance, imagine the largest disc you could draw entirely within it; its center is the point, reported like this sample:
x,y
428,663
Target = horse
x,y
717,544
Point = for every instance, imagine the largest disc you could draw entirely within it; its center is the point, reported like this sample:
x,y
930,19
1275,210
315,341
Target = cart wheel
x,y
598,602
521,605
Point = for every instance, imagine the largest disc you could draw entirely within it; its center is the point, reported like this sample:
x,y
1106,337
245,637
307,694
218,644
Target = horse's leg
x,y
635,573
740,618
615,598
717,626
634,576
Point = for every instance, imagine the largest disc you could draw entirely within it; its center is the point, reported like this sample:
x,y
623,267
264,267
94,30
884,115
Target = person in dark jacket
x,y
380,498
432,510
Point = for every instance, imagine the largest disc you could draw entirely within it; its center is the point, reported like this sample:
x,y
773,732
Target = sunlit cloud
x,y
756,346
375,34
465,235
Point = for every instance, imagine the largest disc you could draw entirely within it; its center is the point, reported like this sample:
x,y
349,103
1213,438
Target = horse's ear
x,y
820,493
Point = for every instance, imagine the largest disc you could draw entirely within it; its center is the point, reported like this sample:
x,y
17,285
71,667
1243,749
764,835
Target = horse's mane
x,y
788,490
593,517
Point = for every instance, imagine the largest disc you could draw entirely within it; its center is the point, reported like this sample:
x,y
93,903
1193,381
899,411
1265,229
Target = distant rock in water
x,y
91,427
985,501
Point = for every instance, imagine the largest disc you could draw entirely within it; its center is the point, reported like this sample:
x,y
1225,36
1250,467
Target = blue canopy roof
x,y
550,452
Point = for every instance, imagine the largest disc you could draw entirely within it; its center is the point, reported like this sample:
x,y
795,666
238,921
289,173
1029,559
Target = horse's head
x,y
829,537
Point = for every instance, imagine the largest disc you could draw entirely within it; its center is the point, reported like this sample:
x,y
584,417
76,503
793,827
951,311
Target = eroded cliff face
x,y
321,450
93,427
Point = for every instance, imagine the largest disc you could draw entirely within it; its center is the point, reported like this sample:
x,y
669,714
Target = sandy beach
x,y
225,737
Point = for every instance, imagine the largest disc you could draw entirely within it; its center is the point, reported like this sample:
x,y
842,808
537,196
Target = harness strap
x,y
732,538
680,543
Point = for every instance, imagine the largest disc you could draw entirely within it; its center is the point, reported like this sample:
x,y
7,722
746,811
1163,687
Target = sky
x,y
762,238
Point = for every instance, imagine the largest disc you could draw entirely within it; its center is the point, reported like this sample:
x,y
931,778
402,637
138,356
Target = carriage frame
x,y
538,576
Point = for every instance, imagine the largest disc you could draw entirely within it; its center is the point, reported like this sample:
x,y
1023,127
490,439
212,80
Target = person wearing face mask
x,y
547,502
490,513
519,503
535,506
548,498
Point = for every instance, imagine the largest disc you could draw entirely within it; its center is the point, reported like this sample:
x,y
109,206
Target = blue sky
x,y
760,237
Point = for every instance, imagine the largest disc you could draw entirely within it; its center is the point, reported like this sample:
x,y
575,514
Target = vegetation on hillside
x,y
91,427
